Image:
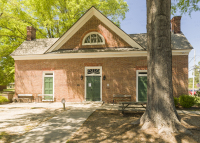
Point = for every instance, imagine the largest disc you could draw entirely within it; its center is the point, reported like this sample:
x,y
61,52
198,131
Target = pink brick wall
x,y
120,75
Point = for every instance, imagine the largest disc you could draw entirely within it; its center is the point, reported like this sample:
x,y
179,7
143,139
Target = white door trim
x,y
93,67
43,76
137,74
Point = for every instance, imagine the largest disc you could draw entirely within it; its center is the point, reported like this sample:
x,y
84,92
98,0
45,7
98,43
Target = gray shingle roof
x,y
94,50
39,46
178,41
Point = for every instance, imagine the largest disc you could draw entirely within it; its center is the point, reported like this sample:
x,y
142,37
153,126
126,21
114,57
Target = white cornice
x,y
94,55
83,20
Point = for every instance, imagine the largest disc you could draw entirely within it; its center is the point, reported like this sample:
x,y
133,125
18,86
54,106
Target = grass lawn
x,y
9,90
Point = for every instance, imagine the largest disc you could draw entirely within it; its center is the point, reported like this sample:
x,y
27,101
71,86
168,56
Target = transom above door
x,y
93,83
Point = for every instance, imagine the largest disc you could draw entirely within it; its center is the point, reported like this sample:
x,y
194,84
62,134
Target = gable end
x,y
112,40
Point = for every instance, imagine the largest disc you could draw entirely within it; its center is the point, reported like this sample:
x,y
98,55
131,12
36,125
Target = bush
x,y
197,93
197,100
3,99
186,101
176,101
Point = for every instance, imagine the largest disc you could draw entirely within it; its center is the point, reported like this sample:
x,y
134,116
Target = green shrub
x,y
197,100
186,101
3,99
197,93
176,101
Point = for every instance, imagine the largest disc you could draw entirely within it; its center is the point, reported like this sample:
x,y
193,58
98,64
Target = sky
x,y
136,19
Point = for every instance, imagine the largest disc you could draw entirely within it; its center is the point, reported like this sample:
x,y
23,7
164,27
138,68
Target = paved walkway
x,y
188,112
59,128
116,107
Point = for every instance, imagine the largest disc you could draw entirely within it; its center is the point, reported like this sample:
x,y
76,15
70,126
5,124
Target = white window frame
x,y
90,39
137,74
94,67
44,75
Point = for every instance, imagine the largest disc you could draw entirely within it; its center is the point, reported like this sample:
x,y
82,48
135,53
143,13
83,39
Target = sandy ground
x,y
113,126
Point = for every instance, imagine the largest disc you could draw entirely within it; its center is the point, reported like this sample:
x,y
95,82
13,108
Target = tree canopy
x,y
185,6
51,18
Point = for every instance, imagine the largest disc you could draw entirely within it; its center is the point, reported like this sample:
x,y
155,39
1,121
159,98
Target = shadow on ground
x,y
112,126
17,121
57,129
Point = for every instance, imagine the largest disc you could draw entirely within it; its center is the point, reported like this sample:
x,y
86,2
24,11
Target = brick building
x,y
93,61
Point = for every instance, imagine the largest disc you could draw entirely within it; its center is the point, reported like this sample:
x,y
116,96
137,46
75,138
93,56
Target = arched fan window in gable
x,y
93,38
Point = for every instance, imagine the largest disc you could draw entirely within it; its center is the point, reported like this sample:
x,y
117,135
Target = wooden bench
x,y
121,97
23,96
126,104
45,97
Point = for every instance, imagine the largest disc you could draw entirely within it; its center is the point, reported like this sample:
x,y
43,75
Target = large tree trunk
x,y
160,112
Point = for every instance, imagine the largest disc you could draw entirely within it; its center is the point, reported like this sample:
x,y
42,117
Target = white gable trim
x,y
93,55
83,20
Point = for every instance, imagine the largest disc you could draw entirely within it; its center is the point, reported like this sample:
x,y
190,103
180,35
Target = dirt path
x,y
112,126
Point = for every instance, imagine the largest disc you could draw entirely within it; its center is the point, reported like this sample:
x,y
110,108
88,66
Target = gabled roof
x,y
38,46
178,41
93,12
52,45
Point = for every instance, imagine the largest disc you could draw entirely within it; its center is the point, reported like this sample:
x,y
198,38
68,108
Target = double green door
x,y
93,88
142,88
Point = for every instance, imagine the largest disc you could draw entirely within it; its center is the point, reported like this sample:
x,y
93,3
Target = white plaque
x,y
89,84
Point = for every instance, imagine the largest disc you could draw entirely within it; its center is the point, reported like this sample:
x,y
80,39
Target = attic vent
x,y
93,38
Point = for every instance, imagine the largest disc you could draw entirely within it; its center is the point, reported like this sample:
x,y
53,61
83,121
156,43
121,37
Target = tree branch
x,y
12,36
6,28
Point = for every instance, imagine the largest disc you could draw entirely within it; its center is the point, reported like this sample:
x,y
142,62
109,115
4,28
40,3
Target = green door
x,y
142,88
48,87
93,88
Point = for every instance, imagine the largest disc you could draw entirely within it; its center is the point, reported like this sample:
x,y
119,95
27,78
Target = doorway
x,y
93,84
141,85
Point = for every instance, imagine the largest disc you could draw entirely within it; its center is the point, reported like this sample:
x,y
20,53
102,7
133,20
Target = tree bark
x,y
160,112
